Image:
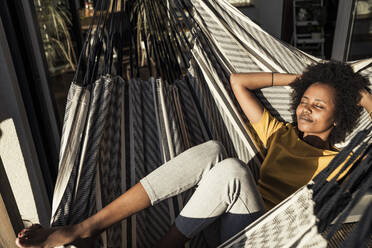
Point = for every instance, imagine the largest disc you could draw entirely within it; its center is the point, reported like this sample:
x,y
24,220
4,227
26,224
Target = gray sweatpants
x,y
226,192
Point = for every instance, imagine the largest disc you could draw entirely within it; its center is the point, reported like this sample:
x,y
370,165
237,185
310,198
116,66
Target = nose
x,y
307,108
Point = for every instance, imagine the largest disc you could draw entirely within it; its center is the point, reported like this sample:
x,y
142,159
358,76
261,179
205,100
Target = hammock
x,y
109,139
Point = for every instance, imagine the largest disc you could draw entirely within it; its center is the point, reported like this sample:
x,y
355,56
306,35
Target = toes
x,y
26,234
27,230
21,242
21,233
30,237
26,238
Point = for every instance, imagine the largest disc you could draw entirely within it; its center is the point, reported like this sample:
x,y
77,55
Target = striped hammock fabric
x,y
115,132
286,226
84,144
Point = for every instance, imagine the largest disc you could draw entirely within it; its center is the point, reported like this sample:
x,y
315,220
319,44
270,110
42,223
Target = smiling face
x,y
315,113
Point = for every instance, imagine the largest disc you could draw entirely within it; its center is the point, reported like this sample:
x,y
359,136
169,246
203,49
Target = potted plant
x,y
54,21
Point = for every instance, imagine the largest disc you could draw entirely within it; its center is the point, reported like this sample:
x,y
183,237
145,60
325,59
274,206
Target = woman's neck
x,y
316,141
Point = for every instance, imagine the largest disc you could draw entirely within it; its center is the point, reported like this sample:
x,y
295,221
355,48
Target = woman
x,y
326,104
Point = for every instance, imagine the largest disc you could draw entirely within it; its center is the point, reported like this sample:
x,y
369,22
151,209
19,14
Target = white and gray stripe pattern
x,y
74,197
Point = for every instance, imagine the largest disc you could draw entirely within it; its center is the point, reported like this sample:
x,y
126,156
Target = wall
x,y
267,14
270,16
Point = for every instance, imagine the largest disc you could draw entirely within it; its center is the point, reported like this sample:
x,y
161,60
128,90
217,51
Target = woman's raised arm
x,y
243,84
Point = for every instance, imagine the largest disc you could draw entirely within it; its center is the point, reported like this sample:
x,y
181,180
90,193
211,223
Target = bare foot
x,y
37,236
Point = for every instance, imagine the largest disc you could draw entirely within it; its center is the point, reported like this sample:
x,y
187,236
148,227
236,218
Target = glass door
x,y
353,34
361,34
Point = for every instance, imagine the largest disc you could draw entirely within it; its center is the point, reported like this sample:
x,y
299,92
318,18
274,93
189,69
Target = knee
x,y
232,168
215,147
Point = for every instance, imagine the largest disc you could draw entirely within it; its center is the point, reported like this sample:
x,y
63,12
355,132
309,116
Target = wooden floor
x,y
7,235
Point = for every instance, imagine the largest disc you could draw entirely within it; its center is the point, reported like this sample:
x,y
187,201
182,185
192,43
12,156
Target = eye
x,y
319,106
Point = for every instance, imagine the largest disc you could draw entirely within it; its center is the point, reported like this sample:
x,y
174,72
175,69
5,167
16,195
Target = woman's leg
x,y
227,193
172,178
183,172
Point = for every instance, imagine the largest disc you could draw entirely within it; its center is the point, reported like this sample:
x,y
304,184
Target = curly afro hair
x,y
347,85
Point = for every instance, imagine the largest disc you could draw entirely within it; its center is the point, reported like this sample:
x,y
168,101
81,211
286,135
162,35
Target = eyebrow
x,y
319,100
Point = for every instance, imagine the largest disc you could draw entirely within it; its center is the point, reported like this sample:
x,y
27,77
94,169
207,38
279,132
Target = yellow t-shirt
x,y
289,163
